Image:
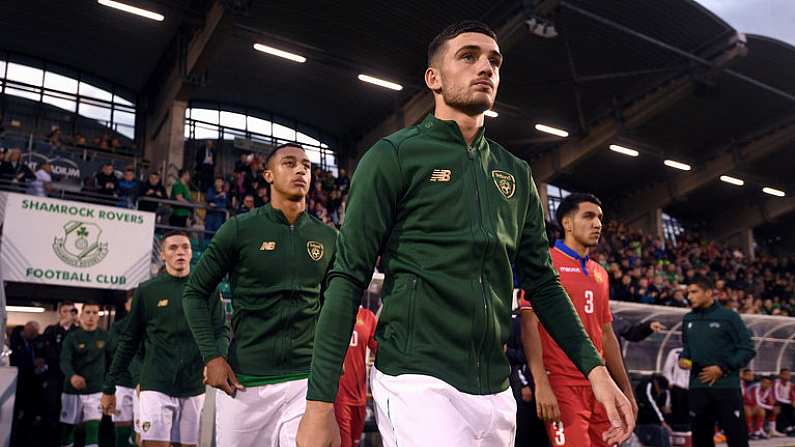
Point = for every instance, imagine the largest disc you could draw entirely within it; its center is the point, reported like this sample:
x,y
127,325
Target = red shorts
x,y
350,418
583,420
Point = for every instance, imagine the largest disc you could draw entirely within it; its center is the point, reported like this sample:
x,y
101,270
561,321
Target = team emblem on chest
x,y
315,250
505,182
100,344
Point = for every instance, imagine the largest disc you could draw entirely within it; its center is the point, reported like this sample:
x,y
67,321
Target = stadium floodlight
x,y
280,53
551,130
132,9
380,82
677,165
624,150
773,191
491,114
732,180
30,309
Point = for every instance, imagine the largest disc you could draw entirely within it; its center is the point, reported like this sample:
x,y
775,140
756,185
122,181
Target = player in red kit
x,y
349,407
564,398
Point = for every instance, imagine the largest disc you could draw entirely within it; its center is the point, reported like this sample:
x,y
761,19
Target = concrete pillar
x,y
744,241
542,194
650,222
166,148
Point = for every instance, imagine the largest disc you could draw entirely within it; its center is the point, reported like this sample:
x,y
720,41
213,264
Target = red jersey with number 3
x,y
590,295
353,386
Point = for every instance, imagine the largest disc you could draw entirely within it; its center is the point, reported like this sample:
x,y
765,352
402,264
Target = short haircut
x,y
452,31
182,172
277,149
172,233
783,370
157,173
705,283
571,203
767,378
91,303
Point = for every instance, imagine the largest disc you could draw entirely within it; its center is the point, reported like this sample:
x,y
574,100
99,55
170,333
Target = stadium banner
x,y
51,241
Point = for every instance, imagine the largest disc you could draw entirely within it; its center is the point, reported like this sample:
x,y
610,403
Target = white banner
x,y
67,243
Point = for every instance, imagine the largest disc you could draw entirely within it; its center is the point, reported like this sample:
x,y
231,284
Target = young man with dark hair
x,y
125,391
716,346
180,191
83,359
54,336
106,181
172,392
441,375
564,398
276,257
153,189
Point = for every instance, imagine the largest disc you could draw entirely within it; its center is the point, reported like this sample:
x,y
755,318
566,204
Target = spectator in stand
x,y
153,189
128,189
54,378
343,181
42,184
14,169
180,191
242,164
247,204
652,397
106,181
217,202
782,389
54,137
765,413
239,188
80,140
27,354
205,166
262,196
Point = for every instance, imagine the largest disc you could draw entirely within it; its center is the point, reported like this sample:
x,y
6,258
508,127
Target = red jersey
x,y
353,386
590,294
762,397
748,396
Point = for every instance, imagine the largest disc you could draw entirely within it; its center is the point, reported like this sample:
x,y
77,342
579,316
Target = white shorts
x,y
262,416
78,408
414,410
170,419
124,404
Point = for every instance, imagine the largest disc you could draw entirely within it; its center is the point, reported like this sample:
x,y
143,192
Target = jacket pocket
x,y
412,306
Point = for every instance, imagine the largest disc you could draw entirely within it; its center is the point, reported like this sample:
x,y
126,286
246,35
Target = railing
x,y
57,191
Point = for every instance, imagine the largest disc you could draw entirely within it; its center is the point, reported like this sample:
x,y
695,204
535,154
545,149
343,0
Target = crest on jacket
x,y
505,183
315,250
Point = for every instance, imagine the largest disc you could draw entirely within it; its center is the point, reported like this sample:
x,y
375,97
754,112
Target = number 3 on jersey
x,y
589,301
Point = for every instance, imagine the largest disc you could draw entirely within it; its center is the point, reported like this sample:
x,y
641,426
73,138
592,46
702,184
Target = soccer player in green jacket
x,y
276,257
449,211
172,392
125,391
83,360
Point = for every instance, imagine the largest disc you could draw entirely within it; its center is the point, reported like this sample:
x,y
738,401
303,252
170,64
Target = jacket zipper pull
x,y
471,152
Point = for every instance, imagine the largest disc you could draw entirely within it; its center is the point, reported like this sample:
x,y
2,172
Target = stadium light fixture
x,y
491,114
132,9
551,130
29,309
773,191
380,82
677,165
280,53
732,180
624,150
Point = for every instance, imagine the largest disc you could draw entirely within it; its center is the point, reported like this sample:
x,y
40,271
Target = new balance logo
x,y
163,302
268,246
441,175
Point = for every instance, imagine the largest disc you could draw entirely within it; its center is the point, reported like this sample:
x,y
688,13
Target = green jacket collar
x,y
276,215
708,310
450,129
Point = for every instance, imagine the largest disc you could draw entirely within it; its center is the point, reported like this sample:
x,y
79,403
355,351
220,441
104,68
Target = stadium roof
x,y
670,79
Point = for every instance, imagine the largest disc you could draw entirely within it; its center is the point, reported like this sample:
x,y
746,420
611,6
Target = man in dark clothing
x,y
107,182
652,396
716,346
530,429
153,189
27,355
54,378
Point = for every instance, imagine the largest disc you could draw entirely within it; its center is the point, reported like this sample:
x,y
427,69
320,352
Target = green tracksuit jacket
x,y
84,353
275,272
449,219
172,364
128,378
716,336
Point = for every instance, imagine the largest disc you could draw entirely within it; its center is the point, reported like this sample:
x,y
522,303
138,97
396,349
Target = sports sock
x,y
92,433
123,436
67,435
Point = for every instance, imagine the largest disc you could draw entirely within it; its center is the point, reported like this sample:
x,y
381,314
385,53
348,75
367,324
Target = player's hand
x,y
318,427
710,374
685,363
78,382
617,406
218,374
108,404
656,326
527,394
547,407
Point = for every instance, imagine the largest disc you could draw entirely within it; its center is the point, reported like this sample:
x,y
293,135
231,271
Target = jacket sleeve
x,y
67,349
540,282
220,326
685,354
129,342
218,260
638,331
372,206
743,350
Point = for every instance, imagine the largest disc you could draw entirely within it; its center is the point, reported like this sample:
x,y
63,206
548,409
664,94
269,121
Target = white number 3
x,y
560,435
589,301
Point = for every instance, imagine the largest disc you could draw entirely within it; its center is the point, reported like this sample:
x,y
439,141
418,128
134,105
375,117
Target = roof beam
x,y
664,193
661,98
744,217
172,86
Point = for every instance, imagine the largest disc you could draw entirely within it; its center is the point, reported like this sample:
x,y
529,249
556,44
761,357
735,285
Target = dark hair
x,y
452,31
173,233
571,203
91,303
782,370
768,378
703,282
182,172
277,149
157,173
